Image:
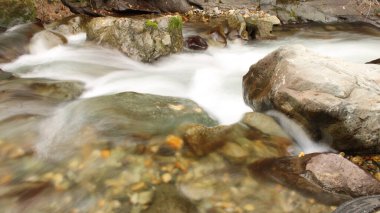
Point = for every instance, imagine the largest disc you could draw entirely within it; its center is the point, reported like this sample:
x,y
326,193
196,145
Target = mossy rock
x,y
175,23
151,24
13,12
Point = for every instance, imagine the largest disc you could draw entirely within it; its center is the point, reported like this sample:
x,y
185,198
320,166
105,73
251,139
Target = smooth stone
x,y
234,152
327,177
264,123
196,43
202,139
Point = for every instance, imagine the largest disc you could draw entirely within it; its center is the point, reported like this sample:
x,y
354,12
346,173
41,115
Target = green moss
x,y
14,12
151,24
293,13
175,23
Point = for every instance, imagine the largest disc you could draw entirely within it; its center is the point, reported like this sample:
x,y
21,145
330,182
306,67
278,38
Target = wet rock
x,y
262,27
217,38
141,39
142,198
198,190
129,7
344,107
14,12
196,43
5,75
168,199
323,11
36,95
264,123
25,102
376,61
203,140
328,177
234,153
235,23
15,41
117,118
361,204
240,138
45,40
70,25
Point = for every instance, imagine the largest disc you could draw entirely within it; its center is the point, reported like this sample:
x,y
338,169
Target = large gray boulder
x,y
325,11
327,96
140,39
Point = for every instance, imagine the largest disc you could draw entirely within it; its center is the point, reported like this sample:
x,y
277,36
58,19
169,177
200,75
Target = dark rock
x,y
15,41
203,140
116,118
376,61
129,7
196,43
170,200
344,107
330,178
361,204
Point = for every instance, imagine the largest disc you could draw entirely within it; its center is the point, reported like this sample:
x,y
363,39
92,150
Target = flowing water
x,y
212,78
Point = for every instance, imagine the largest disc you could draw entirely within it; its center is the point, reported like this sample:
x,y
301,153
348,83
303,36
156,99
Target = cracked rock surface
x,y
337,100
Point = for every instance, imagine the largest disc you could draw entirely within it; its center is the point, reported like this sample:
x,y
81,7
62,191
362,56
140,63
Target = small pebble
x,y
138,186
377,176
249,207
357,160
166,178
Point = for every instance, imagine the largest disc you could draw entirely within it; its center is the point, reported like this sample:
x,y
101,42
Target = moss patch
x,y
175,23
14,12
151,24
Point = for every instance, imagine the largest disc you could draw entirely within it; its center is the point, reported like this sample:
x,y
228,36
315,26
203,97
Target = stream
x,y
211,78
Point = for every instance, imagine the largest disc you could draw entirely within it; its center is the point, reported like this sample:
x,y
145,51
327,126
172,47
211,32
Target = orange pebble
x,y
174,142
5,179
181,167
105,153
